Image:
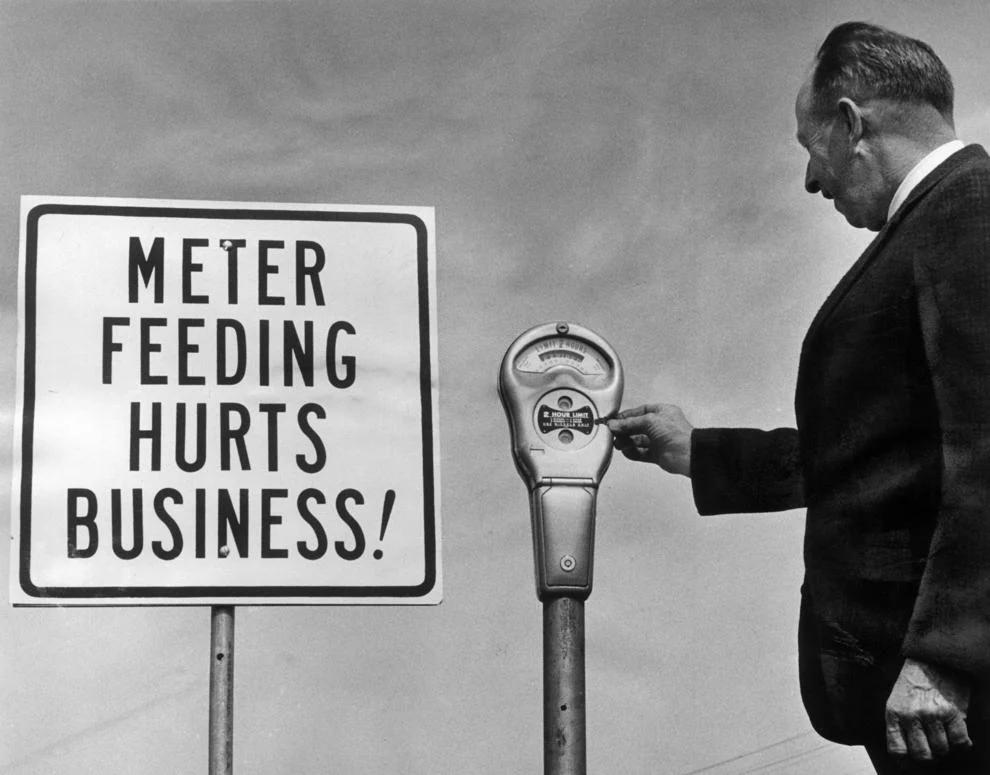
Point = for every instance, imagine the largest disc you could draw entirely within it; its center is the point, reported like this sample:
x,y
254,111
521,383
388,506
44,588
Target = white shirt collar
x,y
920,171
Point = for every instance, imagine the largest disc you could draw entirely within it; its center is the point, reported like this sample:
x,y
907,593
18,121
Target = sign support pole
x,y
221,690
564,740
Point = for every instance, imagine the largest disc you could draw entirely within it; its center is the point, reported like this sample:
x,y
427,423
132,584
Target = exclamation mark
x,y
386,513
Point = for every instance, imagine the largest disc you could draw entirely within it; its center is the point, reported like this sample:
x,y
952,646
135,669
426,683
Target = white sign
x,y
225,403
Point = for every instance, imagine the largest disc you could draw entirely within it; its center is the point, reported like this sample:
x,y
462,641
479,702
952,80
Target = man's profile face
x,y
834,171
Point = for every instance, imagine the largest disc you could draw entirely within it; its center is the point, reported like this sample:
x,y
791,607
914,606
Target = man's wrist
x,y
684,458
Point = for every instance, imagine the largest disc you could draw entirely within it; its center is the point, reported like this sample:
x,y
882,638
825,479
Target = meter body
x,y
557,382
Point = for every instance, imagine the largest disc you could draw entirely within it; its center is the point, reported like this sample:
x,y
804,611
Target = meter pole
x,y
564,742
221,690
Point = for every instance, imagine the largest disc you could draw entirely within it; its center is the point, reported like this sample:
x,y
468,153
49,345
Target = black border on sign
x,y
190,592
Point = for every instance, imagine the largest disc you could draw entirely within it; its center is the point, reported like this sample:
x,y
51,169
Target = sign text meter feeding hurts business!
x,y
225,403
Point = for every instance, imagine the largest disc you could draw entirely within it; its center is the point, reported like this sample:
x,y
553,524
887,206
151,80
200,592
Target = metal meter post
x,y
558,382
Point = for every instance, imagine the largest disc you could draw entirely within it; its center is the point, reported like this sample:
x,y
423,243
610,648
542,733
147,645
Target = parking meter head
x,y
555,382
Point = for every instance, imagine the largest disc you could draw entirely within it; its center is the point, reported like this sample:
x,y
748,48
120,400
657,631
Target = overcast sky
x,y
630,166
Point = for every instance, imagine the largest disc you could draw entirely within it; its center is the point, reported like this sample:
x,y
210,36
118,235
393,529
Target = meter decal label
x,y
581,420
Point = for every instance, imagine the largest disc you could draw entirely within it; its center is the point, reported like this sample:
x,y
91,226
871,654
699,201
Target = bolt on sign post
x,y
225,403
558,383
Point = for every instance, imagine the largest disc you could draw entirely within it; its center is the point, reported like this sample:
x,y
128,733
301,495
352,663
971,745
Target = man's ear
x,y
851,119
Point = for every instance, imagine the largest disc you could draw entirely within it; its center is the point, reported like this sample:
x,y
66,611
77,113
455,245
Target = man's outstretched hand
x,y
926,712
654,433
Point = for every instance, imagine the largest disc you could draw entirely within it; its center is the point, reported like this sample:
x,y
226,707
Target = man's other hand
x,y
926,712
654,433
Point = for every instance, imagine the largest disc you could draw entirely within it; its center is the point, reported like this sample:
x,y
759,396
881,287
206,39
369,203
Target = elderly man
x,y
891,455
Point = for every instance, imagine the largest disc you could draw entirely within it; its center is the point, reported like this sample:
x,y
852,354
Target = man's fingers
x,y
622,441
634,451
661,433
626,426
619,439
633,420
906,737
926,712
938,741
638,454
924,740
896,744
957,733
917,740
633,447
636,411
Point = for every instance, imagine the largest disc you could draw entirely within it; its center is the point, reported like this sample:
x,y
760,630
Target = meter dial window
x,y
565,419
543,355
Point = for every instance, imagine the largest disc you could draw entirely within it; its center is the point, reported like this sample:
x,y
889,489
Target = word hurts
x,y
228,427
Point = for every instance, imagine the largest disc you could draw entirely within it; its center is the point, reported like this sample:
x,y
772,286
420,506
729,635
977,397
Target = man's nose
x,y
811,181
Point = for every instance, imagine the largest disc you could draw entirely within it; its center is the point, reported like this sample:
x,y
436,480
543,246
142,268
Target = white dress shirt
x,y
919,171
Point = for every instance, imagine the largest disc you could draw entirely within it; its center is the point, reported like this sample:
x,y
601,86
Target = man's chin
x,y
851,218
858,222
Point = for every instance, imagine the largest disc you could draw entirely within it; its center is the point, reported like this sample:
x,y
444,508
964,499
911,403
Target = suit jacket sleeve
x,y
738,470
951,619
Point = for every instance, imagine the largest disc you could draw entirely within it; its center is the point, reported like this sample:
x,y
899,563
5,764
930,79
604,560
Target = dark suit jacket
x,y
891,456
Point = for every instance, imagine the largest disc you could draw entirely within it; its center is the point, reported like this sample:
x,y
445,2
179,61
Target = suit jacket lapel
x,y
873,249
850,277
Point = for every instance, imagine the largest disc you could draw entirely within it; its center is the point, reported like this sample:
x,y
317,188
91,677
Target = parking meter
x,y
558,381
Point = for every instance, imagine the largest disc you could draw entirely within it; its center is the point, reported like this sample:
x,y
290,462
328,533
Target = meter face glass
x,y
543,355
